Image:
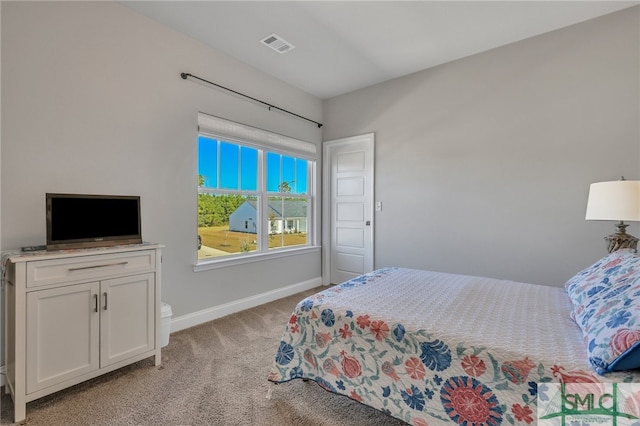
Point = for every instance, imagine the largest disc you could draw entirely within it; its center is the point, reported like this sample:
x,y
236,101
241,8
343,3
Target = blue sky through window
x,y
208,161
229,176
237,167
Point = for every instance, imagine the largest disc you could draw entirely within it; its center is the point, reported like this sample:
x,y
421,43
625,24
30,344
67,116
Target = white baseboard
x,y
196,318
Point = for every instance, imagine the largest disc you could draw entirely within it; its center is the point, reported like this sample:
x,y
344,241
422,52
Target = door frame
x,y
327,146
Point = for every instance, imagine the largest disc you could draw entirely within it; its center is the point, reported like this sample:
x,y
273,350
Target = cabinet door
x,y
62,334
127,317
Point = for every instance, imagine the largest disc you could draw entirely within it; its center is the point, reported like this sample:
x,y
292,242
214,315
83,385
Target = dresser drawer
x,y
94,267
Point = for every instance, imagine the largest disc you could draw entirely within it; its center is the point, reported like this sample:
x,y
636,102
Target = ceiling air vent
x,y
277,43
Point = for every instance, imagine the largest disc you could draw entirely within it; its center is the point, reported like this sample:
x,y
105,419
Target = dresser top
x,y
25,256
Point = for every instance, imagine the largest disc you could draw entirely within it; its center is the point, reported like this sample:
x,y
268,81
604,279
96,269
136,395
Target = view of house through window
x,y
249,199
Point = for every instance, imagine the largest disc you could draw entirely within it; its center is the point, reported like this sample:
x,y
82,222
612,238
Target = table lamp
x,y
616,200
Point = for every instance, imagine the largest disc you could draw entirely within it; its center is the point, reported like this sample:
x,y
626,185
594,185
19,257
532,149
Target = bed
x,y
434,348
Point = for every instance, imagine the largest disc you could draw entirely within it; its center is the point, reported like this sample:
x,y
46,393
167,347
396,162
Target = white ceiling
x,y
341,46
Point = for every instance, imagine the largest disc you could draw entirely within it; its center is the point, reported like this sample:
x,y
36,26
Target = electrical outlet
x,y
378,206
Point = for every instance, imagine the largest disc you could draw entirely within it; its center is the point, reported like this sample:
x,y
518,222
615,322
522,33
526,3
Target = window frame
x,y
228,131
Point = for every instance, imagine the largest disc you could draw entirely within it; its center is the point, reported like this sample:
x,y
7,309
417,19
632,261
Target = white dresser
x,y
76,314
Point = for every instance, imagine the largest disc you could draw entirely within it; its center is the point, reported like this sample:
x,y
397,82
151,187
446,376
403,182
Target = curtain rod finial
x,y
184,75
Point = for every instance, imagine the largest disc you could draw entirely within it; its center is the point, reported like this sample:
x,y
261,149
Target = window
x,y
254,192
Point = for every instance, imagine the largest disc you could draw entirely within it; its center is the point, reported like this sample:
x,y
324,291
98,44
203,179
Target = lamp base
x,y
621,240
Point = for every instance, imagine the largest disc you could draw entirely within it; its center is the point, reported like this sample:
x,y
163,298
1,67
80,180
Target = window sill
x,y
207,264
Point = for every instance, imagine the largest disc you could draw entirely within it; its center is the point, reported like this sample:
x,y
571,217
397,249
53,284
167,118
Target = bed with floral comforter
x,y
435,348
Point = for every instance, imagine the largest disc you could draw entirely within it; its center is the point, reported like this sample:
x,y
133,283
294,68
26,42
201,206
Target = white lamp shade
x,y
615,200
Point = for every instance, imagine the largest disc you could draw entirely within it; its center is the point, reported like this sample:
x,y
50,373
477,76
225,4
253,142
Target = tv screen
x,y
82,221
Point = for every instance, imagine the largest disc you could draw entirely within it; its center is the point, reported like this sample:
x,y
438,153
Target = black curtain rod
x,y
185,75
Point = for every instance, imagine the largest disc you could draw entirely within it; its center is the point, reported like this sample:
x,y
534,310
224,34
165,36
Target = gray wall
x,y
93,102
483,165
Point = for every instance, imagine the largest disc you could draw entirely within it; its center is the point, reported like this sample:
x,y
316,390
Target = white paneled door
x,y
348,208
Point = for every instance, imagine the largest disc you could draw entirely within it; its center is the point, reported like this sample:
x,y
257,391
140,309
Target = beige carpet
x,y
212,374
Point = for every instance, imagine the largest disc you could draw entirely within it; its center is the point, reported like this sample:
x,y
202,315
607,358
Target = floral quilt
x,y
432,348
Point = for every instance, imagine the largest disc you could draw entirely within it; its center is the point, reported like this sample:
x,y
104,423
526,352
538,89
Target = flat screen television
x,y
83,221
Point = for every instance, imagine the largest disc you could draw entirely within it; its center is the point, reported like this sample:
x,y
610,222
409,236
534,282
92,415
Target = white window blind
x,y
220,128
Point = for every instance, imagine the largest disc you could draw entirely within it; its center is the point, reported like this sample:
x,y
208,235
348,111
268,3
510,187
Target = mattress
x,y
436,348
